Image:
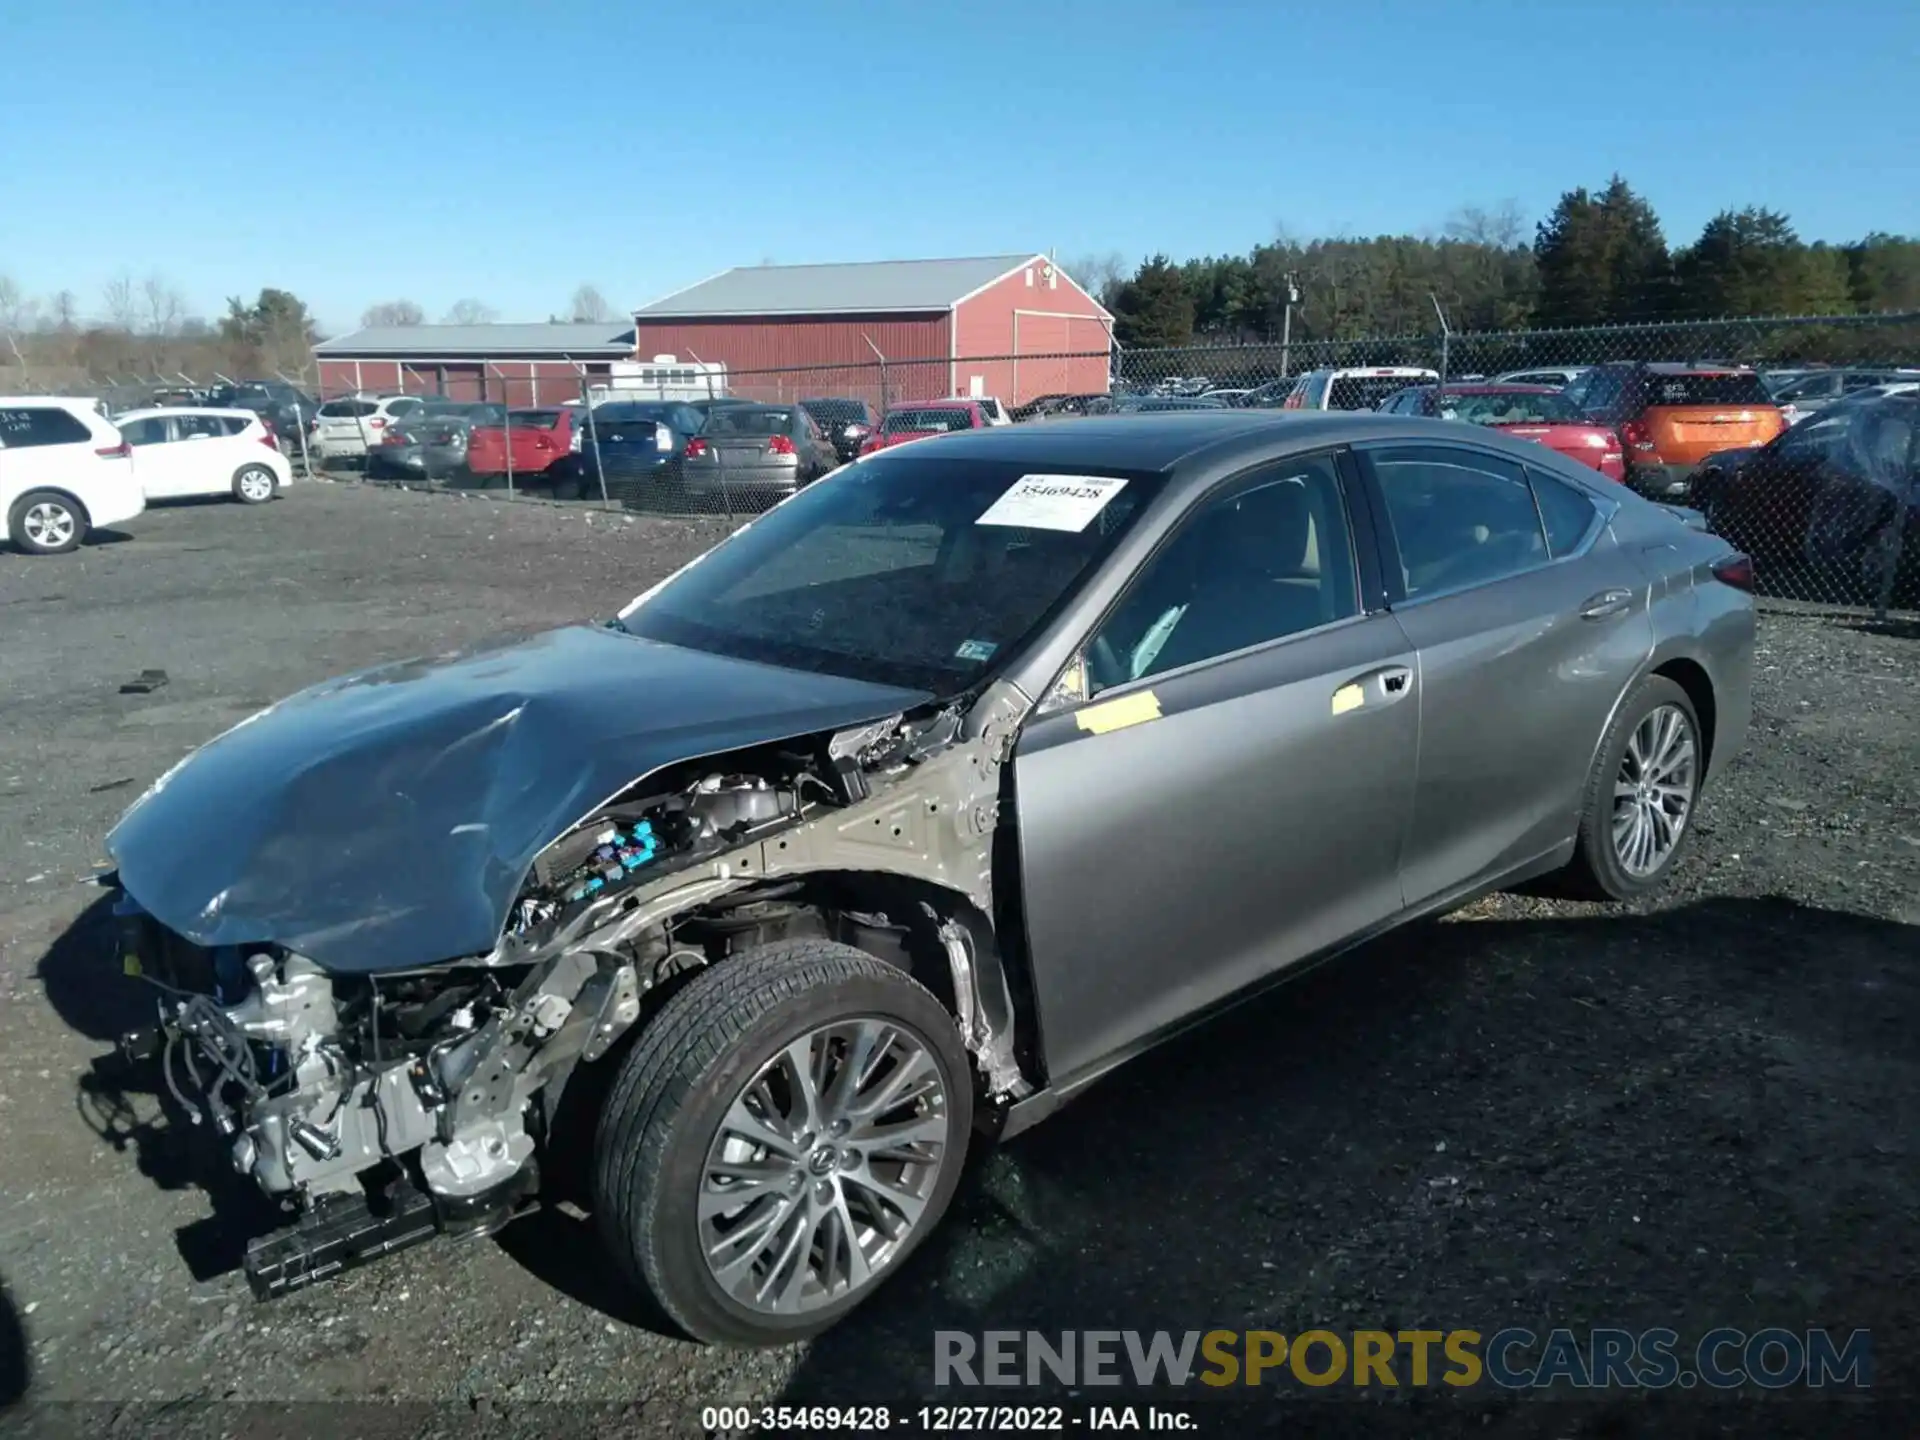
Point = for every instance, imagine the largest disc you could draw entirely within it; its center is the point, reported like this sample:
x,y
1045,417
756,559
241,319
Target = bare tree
x,y
589,306
123,304
162,305
1500,228
1099,275
392,313
65,311
471,312
16,312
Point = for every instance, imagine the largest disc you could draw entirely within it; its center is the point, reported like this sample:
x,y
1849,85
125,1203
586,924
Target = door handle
x,y
1606,604
1376,688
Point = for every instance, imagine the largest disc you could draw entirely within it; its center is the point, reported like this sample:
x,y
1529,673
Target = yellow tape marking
x,y
1348,697
1118,714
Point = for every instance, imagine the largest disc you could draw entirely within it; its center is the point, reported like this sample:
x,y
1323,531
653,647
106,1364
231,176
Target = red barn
x,y
1010,326
516,364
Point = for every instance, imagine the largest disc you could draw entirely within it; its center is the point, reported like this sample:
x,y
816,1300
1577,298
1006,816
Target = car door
x,y
1231,795
158,464
203,455
1524,644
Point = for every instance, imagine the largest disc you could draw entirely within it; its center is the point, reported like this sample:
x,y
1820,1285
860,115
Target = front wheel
x,y
784,1133
1637,810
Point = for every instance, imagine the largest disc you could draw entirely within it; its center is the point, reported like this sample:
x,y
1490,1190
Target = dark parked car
x,y
1840,490
754,454
847,423
640,445
747,846
287,409
430,442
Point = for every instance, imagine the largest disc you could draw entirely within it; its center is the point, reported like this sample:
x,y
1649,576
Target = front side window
x,y
150,431
899,570
1459,518
1270,559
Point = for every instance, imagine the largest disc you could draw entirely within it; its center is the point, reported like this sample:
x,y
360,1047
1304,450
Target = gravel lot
x,y
1535,1113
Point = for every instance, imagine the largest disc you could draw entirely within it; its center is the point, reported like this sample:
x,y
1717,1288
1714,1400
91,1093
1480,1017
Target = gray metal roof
x,y
613,337
863,288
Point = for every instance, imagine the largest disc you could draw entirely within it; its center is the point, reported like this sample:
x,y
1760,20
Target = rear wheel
x,y
254,485
45,522
1637,811
782,1135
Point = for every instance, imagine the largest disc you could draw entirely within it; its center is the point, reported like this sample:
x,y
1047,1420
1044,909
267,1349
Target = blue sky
x,y
354,151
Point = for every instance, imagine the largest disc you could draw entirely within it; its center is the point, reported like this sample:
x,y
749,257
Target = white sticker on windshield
x,y
1052,502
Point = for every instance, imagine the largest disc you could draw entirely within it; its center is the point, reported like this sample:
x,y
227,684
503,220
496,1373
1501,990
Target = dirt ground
x,y
1694,1114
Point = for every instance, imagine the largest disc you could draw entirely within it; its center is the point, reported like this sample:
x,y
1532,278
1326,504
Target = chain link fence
x,y
1796,436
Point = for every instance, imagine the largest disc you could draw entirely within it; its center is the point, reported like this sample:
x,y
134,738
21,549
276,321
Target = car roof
x,y
1157,440
88,401
149,411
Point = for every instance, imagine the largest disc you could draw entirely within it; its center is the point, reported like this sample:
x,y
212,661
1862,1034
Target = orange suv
x,y
1670,417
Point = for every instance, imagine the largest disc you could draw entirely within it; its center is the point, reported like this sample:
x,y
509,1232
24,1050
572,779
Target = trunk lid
x,y
1687,434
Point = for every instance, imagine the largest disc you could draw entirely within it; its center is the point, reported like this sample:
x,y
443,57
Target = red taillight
x,y
394,437
697,448
122,451
375,423
269,439
781,445
1735,570
1635,436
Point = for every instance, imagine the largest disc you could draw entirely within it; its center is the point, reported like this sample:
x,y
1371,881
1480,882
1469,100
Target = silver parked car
x,y
913,808
757,451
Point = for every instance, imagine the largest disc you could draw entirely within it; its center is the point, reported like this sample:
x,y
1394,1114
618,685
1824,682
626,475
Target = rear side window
x,y
1707,389
213,426
1460,518
348,409
1566,513
30,426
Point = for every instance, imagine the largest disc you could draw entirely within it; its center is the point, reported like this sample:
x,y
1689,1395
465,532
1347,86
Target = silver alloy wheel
x,y
257,484
1653,793
823,1165
49,524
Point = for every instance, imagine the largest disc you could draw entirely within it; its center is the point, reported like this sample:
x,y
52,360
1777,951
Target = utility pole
x,y
1446,337
1286,322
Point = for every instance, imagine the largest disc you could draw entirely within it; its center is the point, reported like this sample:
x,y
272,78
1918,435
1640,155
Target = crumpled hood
x,y
388,819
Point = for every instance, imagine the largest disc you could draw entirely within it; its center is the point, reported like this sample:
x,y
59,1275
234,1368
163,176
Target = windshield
x,y
533,419
893,571
1509,408
757,423
950,418
1707,387
1363,392
683,418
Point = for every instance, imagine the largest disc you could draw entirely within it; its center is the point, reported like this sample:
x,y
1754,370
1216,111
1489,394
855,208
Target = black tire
x,y
681,1076
26,520
250,474
1596,871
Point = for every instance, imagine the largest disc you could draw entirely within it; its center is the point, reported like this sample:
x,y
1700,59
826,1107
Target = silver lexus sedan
x,y
906,813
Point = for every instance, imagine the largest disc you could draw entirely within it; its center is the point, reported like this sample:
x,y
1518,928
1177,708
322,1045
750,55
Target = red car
x,y
540,438
1529,412
917,422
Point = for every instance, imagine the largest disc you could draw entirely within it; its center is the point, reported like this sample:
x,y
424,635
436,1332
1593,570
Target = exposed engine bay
x,y
387,1108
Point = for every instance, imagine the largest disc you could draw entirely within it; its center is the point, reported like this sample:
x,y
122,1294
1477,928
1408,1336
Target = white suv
x,y
183,451
351,425
64,470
